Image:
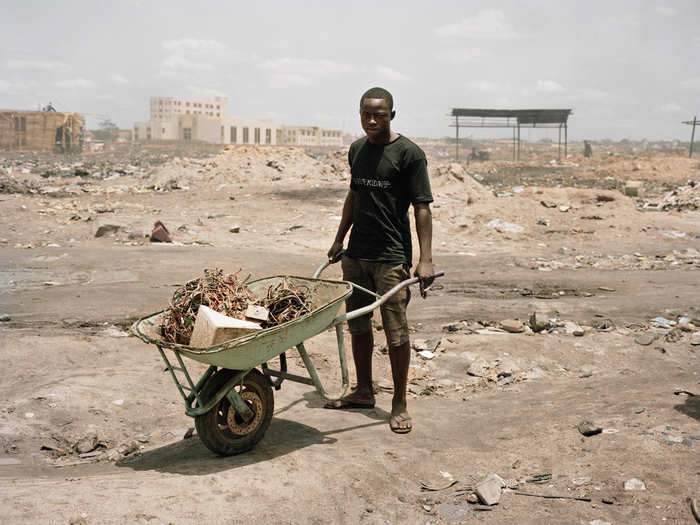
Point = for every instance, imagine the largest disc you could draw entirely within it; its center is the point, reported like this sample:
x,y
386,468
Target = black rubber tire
x,y
220,429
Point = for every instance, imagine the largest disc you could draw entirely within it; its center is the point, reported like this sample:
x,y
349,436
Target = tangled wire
x,y
285,303
227,295
223,293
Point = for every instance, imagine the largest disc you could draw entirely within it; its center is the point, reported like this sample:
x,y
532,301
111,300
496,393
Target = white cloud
x,y
459,55
289,71
205,92
594,95
483,85
391,74
75,83
19,64
666,10
194,46
549,86
180,63
691,83
696,41
119,79
671,107
194,55
489,23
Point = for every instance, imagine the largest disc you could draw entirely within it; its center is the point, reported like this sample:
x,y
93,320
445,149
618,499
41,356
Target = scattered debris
x,y
548,496
694,509
512,325
502,226
160,233
108,229
489,491
645,339
539,478
634,484
589,428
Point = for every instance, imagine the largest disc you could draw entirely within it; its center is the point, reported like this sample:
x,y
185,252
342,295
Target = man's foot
x,y
355,399
400,422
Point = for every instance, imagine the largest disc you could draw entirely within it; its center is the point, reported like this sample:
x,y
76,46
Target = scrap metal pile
x,y
229,296
285,303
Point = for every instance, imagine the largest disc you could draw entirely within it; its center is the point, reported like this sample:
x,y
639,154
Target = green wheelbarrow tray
x,y
245,353
251,350
232,402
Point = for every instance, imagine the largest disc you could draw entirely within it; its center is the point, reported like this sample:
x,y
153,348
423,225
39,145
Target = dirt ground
x,y
92,429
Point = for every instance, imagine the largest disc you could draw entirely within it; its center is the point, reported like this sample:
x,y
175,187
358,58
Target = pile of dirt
x,y
653,169
246,164
338,162
452,179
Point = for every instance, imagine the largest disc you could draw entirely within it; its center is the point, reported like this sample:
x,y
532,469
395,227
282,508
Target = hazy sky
x,y
628,69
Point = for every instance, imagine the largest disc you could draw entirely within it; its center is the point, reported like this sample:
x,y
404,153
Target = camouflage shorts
x,y
380,278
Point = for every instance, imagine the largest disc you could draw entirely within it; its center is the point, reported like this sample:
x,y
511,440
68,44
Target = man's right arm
x,y
345,223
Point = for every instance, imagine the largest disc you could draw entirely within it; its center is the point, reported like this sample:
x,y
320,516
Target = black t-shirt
x,y
388,178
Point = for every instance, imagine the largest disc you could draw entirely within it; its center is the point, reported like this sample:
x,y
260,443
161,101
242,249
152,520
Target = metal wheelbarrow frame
x,y
243,354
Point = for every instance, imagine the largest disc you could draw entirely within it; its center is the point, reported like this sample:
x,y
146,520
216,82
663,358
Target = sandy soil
x,y
488,402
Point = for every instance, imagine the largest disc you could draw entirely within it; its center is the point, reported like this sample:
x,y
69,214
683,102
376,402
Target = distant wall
x,y
41,131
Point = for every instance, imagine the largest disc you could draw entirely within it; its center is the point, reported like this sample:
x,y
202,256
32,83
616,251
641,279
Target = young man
x,y
389,173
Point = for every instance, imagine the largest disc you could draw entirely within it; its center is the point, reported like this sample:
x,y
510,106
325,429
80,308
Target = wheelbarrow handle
x,y
326,264
380,299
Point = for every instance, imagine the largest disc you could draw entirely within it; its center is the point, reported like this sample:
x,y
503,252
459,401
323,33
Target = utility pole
x,y
692,134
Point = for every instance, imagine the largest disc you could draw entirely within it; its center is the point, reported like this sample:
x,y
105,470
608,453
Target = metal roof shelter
x,y
512,118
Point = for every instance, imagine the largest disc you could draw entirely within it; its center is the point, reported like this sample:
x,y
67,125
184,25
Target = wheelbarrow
x,y
232,402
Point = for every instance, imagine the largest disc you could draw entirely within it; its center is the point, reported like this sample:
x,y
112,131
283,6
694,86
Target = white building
x,y
311,136
163,108
207,121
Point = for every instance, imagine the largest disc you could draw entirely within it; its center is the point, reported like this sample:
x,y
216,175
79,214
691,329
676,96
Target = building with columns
x,y
181,119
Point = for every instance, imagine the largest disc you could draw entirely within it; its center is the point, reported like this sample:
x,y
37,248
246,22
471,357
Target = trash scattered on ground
x,y
502,226
645,339
589,428
489,491
634,484
160,233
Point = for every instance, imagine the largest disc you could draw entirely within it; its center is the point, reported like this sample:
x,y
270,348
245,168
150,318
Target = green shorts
x,y
380,278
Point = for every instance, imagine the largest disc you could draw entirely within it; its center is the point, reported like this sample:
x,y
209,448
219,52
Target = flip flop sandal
x,y
399,420
343,404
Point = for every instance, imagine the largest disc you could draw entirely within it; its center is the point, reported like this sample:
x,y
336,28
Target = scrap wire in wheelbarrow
x,y
285,303
229,296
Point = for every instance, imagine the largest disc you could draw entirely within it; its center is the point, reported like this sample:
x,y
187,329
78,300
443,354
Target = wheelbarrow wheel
x,y
224,431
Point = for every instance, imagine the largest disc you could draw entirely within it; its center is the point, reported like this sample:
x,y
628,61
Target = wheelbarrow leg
x,y
316,381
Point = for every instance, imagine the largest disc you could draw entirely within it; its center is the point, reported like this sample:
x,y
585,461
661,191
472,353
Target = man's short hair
x,y
377,92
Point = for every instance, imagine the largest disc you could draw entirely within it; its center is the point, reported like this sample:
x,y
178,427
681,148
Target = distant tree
x,y
107,131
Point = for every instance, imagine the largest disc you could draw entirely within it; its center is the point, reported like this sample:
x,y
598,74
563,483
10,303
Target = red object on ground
x,y
160,233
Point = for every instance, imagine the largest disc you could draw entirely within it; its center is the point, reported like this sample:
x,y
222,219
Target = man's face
x,y
375,116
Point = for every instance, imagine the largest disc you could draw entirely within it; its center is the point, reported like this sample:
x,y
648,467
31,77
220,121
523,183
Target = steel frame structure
x,y
512,118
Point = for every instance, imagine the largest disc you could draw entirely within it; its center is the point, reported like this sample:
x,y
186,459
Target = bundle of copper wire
x,y
222,293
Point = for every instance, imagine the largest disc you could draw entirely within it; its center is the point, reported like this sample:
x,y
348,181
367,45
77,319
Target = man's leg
x,y
396,330
400,358
362,347
361,337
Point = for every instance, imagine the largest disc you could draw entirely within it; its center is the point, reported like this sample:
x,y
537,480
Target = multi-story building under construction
x,y
41,131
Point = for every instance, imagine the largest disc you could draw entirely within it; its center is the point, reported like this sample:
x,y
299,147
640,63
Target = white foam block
x,y
212,328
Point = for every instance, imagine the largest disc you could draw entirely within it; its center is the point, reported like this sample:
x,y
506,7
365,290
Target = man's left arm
x,y
425,270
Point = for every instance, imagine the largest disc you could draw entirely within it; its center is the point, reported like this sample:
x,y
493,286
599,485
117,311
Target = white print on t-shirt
x,y
372,183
